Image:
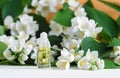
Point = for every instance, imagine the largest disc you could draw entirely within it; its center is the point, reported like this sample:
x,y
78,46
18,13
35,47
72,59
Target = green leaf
x,y
89,3
110,27
64,16
43,24
2,3
3,47
93,45
1,21
27,2
110,64
6,62
106,54
65,6
54,40
114,6
13,8
114,42
118,21
2,30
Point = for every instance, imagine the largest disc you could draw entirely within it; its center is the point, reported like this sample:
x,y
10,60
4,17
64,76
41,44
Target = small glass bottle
x,y
44,55
43,58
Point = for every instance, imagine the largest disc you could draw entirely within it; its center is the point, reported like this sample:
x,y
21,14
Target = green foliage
x,y
106,54
92,44
3,47
64,16
118,21
2,30
13,8
110,64
89,3
54,40
104,21
114,42
6,62
2,3
114,6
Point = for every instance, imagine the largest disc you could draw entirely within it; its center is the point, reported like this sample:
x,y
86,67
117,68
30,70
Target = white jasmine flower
x,y
35,3
22,58
27,10
71,44
25,19
83,23
5,39
8,22
66,55
44,10
117,60
84,64
75,24
116,48
27,49
26,24
93,32
23,35
112,55
50,3
116,51
63,64
34,54
56,29
93,55
73,3
20,27
100,64
13,30
91,61
80,12
8,55
83,27
32,42
79,55
46,6
17,45
93,67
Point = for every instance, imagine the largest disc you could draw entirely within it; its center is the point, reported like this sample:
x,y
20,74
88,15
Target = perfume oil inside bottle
x,y
43,58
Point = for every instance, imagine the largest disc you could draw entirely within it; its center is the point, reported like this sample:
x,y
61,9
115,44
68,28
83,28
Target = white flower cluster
x,y
23,28
20,49
80,28
68,57
44,6
72,3
116,54
88,62
22,41
91,61
17,48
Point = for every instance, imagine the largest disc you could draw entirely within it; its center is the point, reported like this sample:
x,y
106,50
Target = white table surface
x,y
34,72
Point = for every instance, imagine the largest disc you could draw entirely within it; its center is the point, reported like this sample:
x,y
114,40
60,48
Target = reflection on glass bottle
x,y
43,55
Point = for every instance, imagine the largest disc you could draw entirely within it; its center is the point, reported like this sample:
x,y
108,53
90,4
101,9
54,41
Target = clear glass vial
x,y
43,59
43,55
